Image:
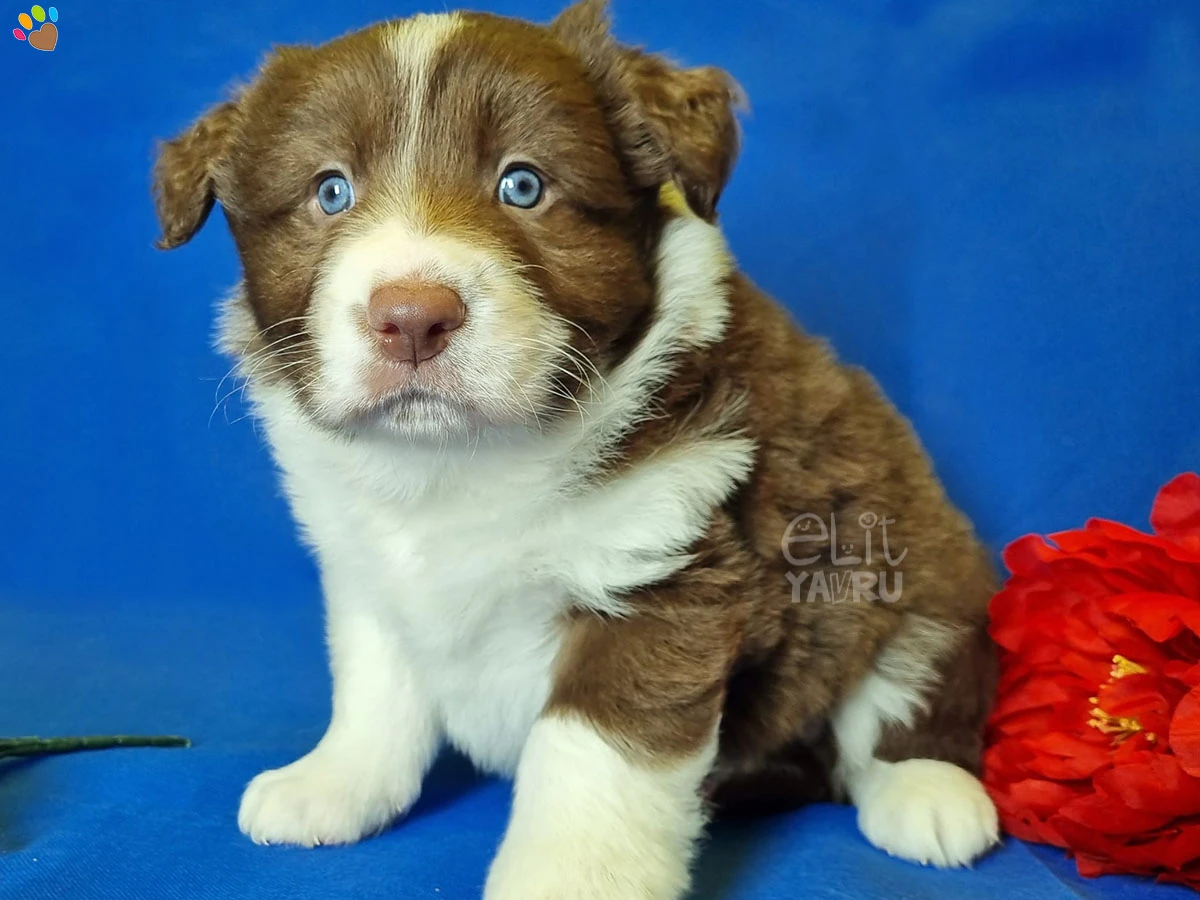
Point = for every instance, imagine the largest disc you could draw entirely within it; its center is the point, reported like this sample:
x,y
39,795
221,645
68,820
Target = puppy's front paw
x,y
927,811
319,799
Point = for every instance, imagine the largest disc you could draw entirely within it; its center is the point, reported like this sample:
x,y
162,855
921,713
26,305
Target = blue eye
x,y
335,194
520,187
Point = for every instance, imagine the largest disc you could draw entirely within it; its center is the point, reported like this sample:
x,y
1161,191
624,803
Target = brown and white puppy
x,y
582,497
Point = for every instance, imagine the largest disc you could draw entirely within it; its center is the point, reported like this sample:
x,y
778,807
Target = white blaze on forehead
x,y
414,43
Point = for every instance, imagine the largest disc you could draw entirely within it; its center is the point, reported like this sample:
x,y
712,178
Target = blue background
x,y
992,204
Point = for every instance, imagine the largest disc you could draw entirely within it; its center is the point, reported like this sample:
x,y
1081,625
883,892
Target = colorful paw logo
x,y
46,35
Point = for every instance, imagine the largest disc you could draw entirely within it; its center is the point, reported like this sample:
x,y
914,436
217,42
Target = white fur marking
x,y
859,720
414,42
692,311
893,693
588,824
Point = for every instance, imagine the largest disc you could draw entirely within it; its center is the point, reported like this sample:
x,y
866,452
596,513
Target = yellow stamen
x,y
1122,667
1120,728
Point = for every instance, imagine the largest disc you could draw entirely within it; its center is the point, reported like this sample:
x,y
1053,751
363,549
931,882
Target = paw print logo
x,y
46,35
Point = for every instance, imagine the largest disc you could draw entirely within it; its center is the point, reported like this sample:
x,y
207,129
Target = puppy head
x,y
447,222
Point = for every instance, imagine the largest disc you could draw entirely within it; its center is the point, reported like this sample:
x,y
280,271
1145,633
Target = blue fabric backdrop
x,y
992,204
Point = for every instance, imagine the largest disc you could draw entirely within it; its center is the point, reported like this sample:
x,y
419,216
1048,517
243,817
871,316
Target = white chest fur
x,y
473,556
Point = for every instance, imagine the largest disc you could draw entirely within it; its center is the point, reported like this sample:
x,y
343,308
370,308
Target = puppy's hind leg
x,y
909,739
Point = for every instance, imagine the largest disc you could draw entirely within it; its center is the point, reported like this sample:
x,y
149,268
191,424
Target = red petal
x,y
1161,616
1187,672
1171,853
1024,824
1044,798
1027,553
1184,848
1092,669
1105,815
1136,751
1063,756
1093,866
1135,696
1185,732
1129,547
1083,635
1158,785
1176,512
1034,693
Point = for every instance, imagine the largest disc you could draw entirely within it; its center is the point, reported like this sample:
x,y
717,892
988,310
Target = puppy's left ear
x,y
672,122
185,173
693,112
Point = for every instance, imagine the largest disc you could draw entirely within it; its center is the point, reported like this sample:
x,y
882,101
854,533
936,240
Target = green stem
x,y
30,746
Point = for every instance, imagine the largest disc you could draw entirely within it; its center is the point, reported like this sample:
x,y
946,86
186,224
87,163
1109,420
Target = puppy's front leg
x,y
607,803
368,767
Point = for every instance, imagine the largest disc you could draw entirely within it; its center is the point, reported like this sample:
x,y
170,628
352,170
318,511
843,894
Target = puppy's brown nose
x,y
413,320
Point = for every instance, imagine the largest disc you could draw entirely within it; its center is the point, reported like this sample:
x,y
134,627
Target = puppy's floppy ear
x,y
692,110
672,122
184,174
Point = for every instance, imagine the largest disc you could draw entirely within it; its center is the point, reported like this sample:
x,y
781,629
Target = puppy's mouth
x,y
389,378
417,411
406,392
414,401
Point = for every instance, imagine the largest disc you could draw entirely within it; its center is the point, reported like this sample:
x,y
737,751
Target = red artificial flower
x,y
1094,744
